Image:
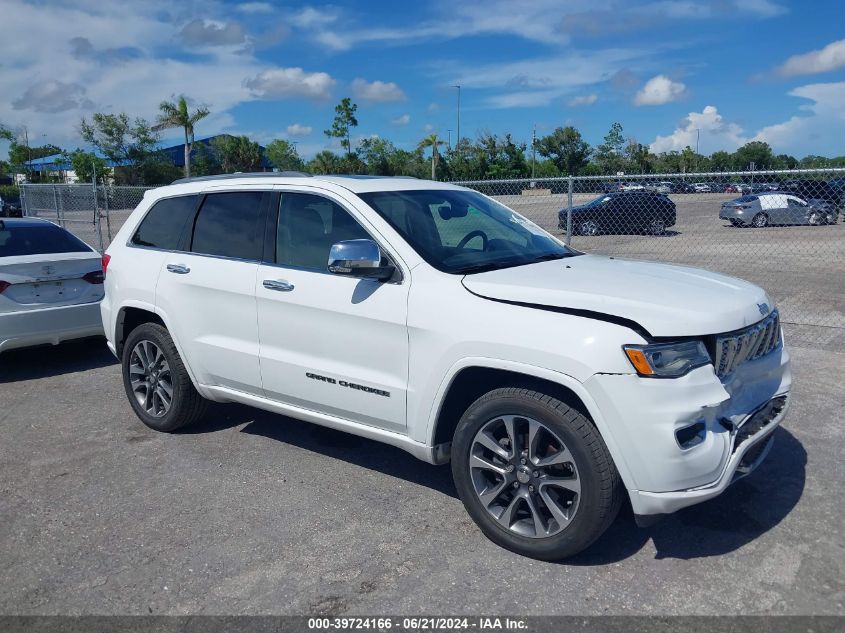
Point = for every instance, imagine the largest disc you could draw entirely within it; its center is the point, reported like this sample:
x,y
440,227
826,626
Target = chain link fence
x,y
94,214
782,230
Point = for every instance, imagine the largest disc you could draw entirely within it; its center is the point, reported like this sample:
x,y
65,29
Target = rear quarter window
x,y
163,224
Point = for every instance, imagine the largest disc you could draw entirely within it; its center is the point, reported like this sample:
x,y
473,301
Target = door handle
x,y
179,269
278,284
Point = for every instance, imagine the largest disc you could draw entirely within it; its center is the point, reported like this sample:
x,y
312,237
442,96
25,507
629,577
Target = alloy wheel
x,y
760,220
658,226
589,227
524,476
150,377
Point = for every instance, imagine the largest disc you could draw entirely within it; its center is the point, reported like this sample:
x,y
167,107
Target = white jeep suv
x,y
433,318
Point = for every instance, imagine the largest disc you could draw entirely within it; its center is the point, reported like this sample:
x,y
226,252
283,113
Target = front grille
x,y
735,348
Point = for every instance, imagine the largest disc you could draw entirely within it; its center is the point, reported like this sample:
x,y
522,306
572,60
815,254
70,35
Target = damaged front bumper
x,y
668,467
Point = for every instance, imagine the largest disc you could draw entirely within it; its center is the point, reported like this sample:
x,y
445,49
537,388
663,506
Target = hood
x,y
665,299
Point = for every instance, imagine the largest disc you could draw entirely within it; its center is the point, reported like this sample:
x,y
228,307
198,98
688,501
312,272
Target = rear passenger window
x,y
229,225
163,224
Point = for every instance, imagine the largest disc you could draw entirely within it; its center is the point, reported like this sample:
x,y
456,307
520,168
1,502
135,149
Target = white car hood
x,y
664,299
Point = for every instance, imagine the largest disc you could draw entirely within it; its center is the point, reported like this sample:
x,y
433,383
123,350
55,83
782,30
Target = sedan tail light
x,y
105,263
3,286
94,277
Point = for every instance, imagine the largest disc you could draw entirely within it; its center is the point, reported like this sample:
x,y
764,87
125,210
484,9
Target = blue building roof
x,y
176,153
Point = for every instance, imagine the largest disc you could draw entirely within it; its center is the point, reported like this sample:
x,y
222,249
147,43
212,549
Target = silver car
x,y
763,209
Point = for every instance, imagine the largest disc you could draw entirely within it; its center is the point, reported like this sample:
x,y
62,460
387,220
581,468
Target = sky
x,y
673,72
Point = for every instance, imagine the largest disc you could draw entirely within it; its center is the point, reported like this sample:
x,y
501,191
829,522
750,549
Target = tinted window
x,y
162,226
229,225
308,226
35,240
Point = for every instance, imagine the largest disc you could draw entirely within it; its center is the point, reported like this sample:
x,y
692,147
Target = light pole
x,y
449,145
458,86
533,150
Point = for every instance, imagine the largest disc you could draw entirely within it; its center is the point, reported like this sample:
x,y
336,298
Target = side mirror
x,y
358,258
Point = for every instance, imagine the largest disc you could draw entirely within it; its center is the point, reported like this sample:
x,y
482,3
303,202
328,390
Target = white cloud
x,y
74,69
255,7
659,90
309,17
376,90
540,81
582,100
296,129
831,57
283,83
207,33
761,8
708,127
433,107
402,120
820,131
52,96
428,127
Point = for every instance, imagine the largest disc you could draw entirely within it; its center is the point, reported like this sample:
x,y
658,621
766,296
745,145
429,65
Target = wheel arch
x,y
471,378
130,317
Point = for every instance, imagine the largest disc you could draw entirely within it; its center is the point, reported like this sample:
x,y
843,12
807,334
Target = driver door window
x,y
308,226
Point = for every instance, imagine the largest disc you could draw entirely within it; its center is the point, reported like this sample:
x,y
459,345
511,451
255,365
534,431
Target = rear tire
x,y
547,498
760,220
157,384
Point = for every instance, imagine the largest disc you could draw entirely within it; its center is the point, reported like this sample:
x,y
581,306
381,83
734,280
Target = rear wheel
x,y
815,218
589,227
657,226
832,217
534,474
157,384
760,220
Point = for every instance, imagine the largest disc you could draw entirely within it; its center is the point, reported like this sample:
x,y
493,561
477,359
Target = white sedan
x,y
51,284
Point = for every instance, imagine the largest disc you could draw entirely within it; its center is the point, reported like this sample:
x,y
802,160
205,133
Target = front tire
x,y
534,474
157,384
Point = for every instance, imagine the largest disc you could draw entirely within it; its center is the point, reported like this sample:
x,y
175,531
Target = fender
x,y
560,378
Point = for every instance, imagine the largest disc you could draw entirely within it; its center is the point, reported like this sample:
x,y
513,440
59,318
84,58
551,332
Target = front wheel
x,y
534,474
157,384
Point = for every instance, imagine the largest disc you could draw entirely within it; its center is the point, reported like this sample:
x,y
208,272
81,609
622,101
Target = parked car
x,y
701,187
10,207
623,212
732,187
435,319
817,192
664,187
754,187
51,284
611,187
759,210
632,186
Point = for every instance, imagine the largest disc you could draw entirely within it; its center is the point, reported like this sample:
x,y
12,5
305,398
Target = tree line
x,y
133,146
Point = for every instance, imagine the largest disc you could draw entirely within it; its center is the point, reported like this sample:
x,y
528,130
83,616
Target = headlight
x,y
667,360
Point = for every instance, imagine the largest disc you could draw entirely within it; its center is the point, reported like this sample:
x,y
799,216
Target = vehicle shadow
x,y
352,449
54,360
745,511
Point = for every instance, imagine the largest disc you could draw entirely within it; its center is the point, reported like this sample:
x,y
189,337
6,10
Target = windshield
x,y
464,232
597,202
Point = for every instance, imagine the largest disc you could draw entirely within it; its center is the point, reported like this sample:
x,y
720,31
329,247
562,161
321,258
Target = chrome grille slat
x,y
750,343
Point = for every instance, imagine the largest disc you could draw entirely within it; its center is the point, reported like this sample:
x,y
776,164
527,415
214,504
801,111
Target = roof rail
x,y
247,174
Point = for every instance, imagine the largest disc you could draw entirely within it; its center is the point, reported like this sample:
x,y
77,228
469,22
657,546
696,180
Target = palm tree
x,y
176,114
433,142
